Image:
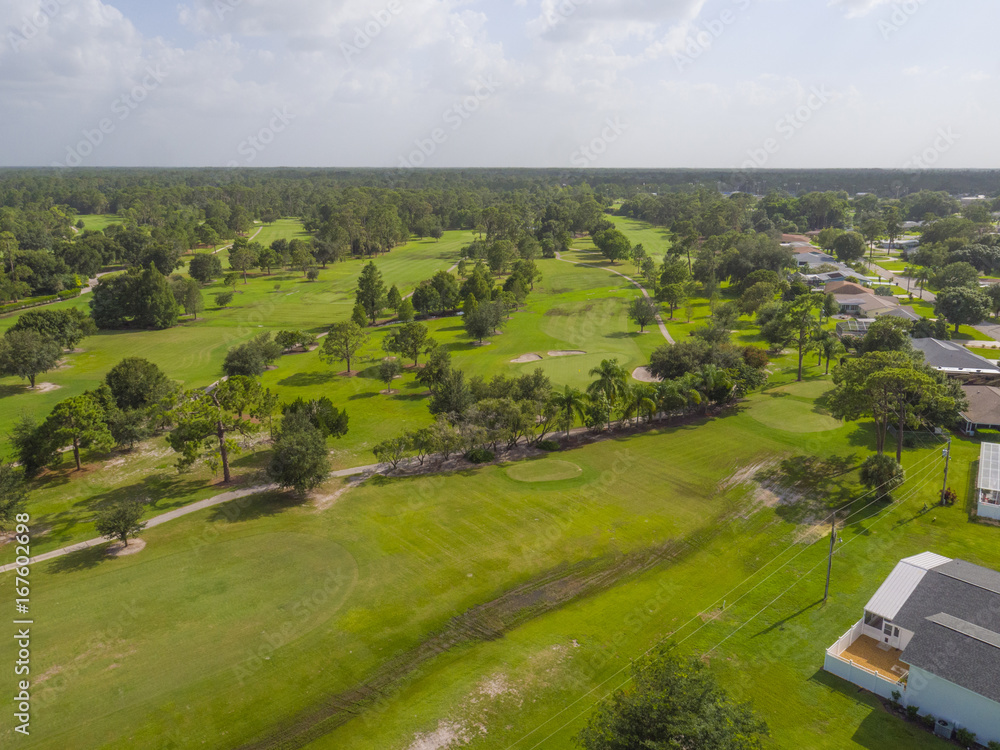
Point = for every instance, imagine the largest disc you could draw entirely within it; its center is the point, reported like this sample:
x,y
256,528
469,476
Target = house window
x,y
873,621
887,629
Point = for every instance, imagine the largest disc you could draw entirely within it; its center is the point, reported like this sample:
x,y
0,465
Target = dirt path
x,y
641,288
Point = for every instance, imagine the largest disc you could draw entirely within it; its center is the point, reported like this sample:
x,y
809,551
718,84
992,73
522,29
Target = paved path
x,y
900,280
659,318
225,497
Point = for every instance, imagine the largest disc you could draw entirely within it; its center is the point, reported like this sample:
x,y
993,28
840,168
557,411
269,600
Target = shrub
x,y
929,720
479,456
896,695
965,737
993,745
312,274
549,445
913,712
883,291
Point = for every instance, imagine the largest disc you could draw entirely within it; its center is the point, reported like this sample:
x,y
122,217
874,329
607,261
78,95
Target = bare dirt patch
x,y
527,358
117,549
566,352
448,734
324,500
44,387
643,375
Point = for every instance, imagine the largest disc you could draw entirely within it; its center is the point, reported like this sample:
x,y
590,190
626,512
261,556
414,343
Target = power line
x,y
926,459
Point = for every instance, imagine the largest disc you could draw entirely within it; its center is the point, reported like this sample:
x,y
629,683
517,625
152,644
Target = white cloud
x,y
857,8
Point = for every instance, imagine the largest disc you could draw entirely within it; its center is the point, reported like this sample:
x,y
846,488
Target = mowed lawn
x,y
192,353
175,637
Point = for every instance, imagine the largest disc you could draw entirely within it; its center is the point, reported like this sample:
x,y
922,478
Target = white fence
x,y
863,677
856,674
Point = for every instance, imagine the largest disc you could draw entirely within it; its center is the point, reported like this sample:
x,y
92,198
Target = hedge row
x,y
35,301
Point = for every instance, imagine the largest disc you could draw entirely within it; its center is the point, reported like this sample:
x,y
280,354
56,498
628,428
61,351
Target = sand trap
x,y
643,375
120,550
526,358
566,353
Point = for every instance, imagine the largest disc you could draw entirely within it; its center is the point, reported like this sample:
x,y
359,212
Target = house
x,y
855,299
929,633
958,362
809,258
906,244
988,484
984,408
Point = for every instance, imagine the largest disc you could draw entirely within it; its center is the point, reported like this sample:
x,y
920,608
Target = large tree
x,y
81,422
642,312
13,492
26,354
672,703
204,267
65,327
849,247
410,340
121,520
208,421
299,457
370,293
137,383
962,306
342,343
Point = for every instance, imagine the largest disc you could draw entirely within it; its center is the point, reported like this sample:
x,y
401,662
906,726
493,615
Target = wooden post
x,y
829,564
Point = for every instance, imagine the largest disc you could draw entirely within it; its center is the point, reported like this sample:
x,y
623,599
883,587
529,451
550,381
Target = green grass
x,y
98,222
654,240
192,353
543,470
178,647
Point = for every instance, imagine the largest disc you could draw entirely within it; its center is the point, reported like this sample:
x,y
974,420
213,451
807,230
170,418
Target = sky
x,y
500,83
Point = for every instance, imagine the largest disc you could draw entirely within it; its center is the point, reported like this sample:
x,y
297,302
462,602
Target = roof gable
x,y
901,583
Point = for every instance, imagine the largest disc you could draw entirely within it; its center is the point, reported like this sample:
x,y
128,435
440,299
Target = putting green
x,y
792,415
545,470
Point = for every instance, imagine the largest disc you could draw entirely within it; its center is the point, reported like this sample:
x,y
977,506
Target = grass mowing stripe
x,y
723,598
889,511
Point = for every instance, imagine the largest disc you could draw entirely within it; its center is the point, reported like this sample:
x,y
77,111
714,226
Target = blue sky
x,y
548,83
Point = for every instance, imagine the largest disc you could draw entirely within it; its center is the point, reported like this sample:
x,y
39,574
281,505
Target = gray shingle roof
x,y
949,356
962,646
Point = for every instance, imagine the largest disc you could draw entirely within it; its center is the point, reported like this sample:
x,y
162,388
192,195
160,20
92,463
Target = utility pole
x,y
829,564
946,452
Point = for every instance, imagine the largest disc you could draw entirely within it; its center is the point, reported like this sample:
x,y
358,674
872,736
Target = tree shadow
x,y
359,396
253,507
84,559
808,486
13,390
307,379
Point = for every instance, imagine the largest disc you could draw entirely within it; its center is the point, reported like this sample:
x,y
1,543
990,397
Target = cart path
x,y
659,318
210,502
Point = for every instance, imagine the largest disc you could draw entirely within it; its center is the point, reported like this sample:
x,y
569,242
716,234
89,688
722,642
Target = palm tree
x,y
923,274
612,380
713,384
570,402
646,395
672,395
830,346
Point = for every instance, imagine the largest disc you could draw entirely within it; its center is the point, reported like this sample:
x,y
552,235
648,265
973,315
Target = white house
x,y
930,634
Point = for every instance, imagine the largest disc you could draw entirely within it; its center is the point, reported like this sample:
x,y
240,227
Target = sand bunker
x,y
643,375
566,353
526,358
